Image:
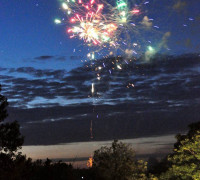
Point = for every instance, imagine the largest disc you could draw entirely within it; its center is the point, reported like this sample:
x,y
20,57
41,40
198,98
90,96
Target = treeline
x,y
117,162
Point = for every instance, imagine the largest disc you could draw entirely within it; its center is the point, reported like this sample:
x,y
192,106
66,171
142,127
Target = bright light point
x,y
119,67
92,90
83,24
100,6
57,21
72,20
123,13
149,53
65,6
99,67
124,19
69,30
150,48
92,56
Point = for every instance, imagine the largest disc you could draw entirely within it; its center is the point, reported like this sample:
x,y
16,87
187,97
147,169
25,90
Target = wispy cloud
x,y
164,98
45,57
146,22
179,5
49,57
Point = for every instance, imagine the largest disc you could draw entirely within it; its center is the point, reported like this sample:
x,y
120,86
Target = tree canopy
x,y
185,159
118,163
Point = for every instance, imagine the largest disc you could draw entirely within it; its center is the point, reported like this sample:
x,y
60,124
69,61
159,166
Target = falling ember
x,y
91,129
92,90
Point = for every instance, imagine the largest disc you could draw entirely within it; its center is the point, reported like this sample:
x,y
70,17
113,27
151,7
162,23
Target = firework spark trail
x,y
104,26
91,121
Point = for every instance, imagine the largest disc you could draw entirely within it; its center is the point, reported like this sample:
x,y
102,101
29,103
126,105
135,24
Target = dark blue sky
x,y
28,30
49,87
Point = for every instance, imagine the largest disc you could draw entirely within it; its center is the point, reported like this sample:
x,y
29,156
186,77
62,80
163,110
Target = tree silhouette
x,y
10,141
3,105
10,137
118,163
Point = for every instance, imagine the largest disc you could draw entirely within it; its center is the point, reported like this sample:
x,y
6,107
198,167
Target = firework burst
x,y
92,27
97,23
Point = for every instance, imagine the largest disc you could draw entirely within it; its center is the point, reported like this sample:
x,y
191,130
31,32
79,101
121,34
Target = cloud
x,y
179,5
76,57
50,73
164,99
63,126
146,22
188,43
3,69
164,40
61,58
49,57
46,57
150,52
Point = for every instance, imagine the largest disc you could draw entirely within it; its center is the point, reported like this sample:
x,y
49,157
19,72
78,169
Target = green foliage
x,y
185,160
118,163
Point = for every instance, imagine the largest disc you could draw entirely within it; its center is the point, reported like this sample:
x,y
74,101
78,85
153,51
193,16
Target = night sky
x,y
47,78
